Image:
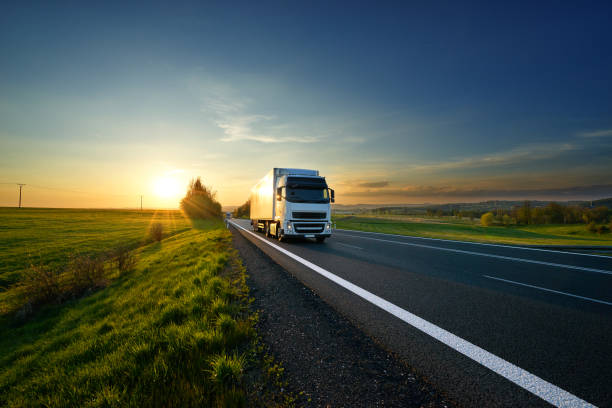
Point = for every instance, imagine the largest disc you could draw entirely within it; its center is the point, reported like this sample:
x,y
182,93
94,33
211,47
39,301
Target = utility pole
x,y
20,187
140,203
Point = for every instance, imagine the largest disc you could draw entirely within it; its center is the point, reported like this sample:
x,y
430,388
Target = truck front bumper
x,y
307,229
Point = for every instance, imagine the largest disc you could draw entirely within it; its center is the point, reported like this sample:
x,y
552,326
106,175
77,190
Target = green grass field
x,y
464,230
30,235
172,332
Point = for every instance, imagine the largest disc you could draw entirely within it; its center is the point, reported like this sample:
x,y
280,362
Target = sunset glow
x,y
167,187
414,113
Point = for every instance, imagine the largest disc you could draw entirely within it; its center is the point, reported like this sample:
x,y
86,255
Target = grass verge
x,y
570,235
175,331
50,236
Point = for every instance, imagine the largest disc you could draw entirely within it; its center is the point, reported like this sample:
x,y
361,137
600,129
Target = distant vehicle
x,y
228,215
292,203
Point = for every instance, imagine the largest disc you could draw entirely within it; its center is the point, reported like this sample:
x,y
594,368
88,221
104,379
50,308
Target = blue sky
x,y
394,102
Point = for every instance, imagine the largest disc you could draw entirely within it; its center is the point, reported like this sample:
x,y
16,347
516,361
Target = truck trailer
x,y
292,203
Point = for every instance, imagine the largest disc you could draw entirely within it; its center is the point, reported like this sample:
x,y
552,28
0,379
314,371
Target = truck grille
x,y
311,215
308,228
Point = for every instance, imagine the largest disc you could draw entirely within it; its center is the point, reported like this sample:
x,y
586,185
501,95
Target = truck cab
x,y
300,205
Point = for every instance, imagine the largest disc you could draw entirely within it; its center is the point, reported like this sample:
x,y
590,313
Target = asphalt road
x,y
517,325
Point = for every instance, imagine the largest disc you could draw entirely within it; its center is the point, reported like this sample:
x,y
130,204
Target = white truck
x,y
289,203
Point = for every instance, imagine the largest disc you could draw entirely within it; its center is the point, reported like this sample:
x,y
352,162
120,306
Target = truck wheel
x,y
254,225
320,240
267,229
279,233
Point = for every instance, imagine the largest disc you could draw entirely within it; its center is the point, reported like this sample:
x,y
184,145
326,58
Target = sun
x,y
166,187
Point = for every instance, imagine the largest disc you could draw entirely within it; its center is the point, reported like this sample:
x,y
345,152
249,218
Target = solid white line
x,y
477,243
524,379
347,245
549,290
508,258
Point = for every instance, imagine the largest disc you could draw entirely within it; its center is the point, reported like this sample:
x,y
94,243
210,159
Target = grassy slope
x,y
29,234
150,338
462,231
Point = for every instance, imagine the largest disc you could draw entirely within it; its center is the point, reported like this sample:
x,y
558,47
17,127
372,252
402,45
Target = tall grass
x,y
172,332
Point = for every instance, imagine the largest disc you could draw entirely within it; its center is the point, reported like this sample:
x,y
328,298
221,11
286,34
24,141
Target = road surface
x,y
486,324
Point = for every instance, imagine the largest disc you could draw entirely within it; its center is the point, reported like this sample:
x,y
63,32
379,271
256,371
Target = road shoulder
x,y
327,360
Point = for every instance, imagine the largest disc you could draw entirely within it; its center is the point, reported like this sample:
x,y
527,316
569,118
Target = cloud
x,y
375,184
450,192
354,139
534,152
232,114
597,133
238,128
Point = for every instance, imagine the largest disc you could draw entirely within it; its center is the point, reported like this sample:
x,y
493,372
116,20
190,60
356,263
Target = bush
x,y
124,259
156,231
487,219
592,227
40,284
603,229
200,202
86,272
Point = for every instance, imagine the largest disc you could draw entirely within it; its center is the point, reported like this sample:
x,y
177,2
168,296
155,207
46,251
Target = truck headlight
x,y
327,226
289,226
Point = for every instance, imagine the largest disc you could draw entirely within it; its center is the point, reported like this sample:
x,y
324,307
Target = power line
x,y
73,191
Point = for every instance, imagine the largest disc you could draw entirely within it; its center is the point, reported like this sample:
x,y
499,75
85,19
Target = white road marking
x,y
508,258
476,243
524,379
347,245
549,290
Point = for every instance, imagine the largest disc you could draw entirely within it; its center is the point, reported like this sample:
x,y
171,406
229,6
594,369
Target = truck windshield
x,y
307,195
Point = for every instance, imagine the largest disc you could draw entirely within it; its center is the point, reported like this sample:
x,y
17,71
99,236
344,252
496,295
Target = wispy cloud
x,y
450,192
374,184
596,133
536,152
233,114
238,128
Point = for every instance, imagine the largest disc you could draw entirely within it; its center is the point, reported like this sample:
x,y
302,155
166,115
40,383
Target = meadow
x,y
468,230
35,235
175,330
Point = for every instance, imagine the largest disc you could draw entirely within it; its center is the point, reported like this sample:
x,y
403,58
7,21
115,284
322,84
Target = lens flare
x,y
166,188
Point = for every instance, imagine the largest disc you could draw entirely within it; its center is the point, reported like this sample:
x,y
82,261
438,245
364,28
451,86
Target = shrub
x,y
124,259
200,201
40,284
156,231
603,229
86,272
506,219
592,227
487,219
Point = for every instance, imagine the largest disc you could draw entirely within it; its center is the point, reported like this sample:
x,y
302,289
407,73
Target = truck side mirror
x,y
279,194
333,199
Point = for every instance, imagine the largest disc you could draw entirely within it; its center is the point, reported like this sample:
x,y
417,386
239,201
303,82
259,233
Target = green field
x,y
465,230
31,235
174,331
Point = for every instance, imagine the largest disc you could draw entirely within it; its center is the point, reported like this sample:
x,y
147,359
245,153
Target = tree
x,y
200,202
487,219
524,214
243,211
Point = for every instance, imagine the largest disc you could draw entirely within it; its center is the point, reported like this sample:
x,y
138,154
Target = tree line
x,y
552,213
244,211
